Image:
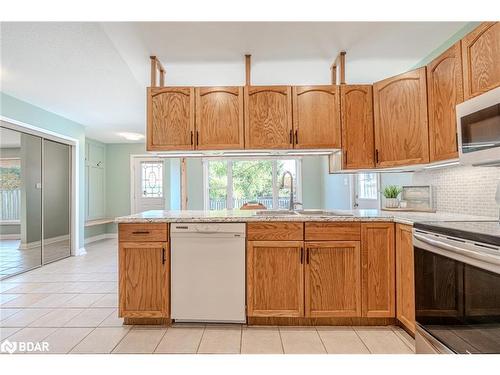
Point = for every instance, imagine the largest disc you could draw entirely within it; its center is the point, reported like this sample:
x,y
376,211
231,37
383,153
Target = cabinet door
x,y
268,117
378,270
170,118
275,278
357,126
400,116
480,58
405,282
219,118
144,279
333,279
316,116
445,91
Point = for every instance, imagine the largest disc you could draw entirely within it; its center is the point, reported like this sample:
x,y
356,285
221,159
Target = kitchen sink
x,y
302,212
276,213
323,213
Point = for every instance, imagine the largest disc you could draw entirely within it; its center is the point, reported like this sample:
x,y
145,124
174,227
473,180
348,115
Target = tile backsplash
x,y
462,189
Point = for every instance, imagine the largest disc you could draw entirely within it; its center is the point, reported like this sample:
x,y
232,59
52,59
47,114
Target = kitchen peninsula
x,y
309,267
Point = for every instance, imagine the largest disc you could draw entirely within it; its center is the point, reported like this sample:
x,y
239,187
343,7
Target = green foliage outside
x,y
10,178
252,179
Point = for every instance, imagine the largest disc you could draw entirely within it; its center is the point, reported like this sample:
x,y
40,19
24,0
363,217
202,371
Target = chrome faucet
x,y
292,205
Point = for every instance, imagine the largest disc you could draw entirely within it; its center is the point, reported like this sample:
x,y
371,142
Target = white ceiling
x,y
96,73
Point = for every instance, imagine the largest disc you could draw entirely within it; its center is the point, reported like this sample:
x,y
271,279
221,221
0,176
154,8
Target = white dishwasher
x,y
208,272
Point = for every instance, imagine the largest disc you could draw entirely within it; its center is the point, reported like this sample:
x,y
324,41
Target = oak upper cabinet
x,y
400,117
333,279
275,278
405,281
144,280
378,266
170,118
357,126
445,91
219,118
316,117
268,117
481,59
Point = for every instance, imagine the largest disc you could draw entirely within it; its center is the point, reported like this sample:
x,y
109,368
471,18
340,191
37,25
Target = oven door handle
x,y
458,250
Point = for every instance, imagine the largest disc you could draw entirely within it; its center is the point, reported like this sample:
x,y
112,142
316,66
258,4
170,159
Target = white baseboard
x,y
100,237
12,236
47,241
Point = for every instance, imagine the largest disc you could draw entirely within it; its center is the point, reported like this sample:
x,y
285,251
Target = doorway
x,y
35,201
366,191
148,187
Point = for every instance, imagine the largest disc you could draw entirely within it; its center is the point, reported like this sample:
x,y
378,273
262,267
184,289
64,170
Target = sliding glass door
x,y
35,193
56,201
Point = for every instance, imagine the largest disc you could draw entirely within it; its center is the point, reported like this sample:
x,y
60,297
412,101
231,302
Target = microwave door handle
x,y
458,250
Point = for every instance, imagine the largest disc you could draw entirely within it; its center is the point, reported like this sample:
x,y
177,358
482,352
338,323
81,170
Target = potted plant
x,y
391,193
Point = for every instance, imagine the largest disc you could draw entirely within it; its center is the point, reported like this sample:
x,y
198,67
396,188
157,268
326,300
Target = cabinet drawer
x,y
277,231
143,232
329,231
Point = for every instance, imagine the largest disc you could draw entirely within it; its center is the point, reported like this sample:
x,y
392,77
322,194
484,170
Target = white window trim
x,y
206,203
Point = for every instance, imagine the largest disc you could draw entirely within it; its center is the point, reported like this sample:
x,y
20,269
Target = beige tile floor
x,y
72,305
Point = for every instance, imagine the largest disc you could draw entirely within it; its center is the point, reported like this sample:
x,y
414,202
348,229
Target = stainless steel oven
x,y
457,288
478,129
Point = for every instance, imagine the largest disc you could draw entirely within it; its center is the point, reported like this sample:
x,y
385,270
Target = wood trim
x,y
342,67
147,321
184,194
405,281
248,67
331,321
275,231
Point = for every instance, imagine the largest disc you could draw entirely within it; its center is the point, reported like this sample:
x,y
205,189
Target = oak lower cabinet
x,y
144,280
444,91
268,117
333,279
378,270
170,118
357,126
400,118
480,59
275,278
219,118
316,117
405,281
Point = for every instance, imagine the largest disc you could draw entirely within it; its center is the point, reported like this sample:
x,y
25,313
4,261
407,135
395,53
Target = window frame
x,y
230,160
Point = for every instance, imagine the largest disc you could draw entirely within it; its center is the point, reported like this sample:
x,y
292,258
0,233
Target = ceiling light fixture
x,y
131,136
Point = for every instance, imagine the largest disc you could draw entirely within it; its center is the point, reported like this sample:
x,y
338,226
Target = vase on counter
x,y
391,202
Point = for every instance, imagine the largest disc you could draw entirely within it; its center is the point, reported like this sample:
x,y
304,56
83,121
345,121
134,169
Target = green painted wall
x,y
25,112
312,182
447,44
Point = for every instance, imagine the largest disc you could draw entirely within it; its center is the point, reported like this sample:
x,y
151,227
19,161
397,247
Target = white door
x,y
365,191
148,187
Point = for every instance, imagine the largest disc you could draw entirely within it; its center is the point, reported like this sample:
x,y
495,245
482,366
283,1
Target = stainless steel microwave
x,y
478,129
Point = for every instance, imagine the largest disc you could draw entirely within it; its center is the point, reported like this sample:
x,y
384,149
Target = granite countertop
x,y
200,216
